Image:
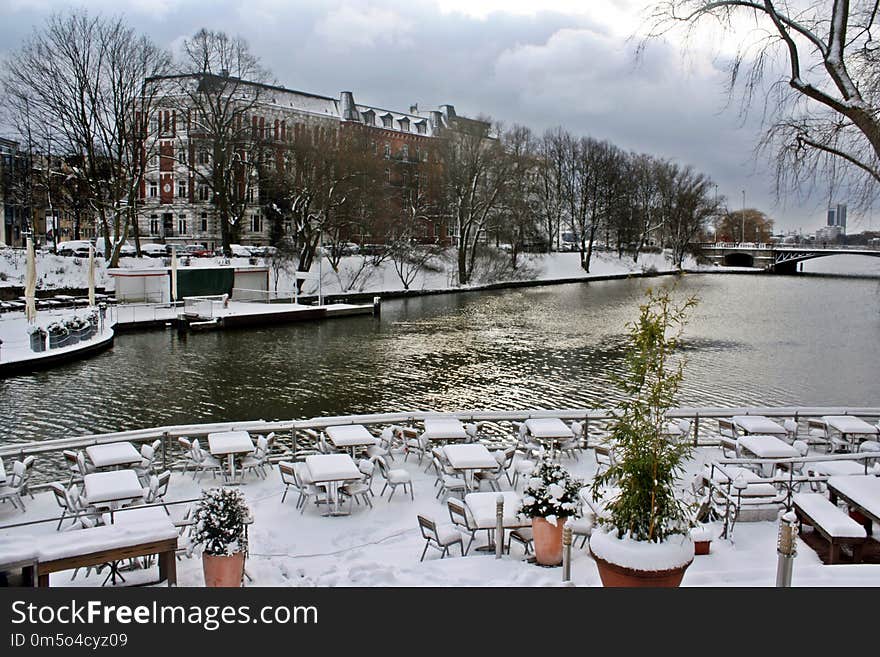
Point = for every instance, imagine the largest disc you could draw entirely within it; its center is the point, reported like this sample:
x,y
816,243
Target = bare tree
x,y
79,78
685,205
474,174
216,92
551,182
823,114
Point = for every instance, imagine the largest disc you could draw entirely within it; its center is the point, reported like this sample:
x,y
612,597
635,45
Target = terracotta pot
x,y
222,570
548,541
702,547
613,575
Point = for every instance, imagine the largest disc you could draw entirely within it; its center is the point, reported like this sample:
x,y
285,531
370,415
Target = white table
x,y
767,447
848,425
444,429
331,469
469,458
109,489
113,455
139,517
350,435
758,424
859,491
228,444
549,429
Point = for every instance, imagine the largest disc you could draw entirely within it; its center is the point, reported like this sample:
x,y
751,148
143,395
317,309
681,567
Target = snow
x,y
674,552
381,546
16,345
849,424
829,516
96,539
230,442
444,428
469,457
767,447
863,490
350,435
110,454
758,424
112,486
332,467
548,428
482,507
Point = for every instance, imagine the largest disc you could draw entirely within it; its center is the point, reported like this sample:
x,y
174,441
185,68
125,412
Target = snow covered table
x,y
767,447
444,429
860,492
228,444
469,458
113,455
350,435
758,424
331,469
482,508
111,489
847,425
549,429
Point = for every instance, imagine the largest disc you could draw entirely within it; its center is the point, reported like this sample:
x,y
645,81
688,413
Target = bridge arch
x,y
739,259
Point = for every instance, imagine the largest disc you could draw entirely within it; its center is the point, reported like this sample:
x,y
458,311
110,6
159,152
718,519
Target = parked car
x,y
79,248
239,251
180,248
263,251
126,251
198,251
153,250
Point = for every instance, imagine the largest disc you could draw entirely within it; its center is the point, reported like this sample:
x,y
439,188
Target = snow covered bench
x,y
106,544
831,522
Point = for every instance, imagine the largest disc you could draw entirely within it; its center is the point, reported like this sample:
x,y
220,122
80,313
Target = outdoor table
x,y
482,508
138,517
767,447
350,435
228,444
113,455
758,424
859,491
331,469
549,429
469,458
849,425
444,429
108,489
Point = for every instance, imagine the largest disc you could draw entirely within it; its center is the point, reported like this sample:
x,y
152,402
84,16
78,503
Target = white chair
x,y
61,499
728,437
307,489
605,457
354,489
393,478
257,461
817,433
791,430
206,462
415,444
367,468
460,517
449,483
872,447
288,478
523,536
84,468
522,467
145,468
155,492
439,537
28,463
16,486
72,466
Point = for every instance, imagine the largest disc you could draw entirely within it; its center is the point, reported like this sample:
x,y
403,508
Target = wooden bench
x,y
831,522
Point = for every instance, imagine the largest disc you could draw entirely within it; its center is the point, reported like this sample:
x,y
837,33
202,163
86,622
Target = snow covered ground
x,y
381,546
57,272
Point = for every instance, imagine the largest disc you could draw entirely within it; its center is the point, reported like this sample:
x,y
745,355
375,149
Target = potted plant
x,y
38,338
550,497
643,538
702,538
58,335
77,327
220,521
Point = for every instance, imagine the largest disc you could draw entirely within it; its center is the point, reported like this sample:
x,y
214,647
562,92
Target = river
x,y
752,340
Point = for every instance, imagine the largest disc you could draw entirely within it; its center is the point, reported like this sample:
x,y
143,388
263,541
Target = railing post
x,y
786,548
696,428
165,437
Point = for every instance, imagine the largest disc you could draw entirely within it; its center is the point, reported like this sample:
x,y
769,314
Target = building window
x,y
154,224
181,155
204,222
181,189
424,156
181,224
421,128
404,124
257,223
154,125
369,117
249,194
204,157
388,176
387,150
154,189
203,193
386,121
404,152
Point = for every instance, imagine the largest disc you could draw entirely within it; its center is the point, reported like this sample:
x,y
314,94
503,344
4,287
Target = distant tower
x,y
837,217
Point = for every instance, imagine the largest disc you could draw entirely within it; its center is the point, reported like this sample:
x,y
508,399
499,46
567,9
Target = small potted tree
x,y
37,336
550,497
220,521
58,335
643,535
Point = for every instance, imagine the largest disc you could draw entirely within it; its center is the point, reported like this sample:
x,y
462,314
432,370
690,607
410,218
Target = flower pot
x,y
57,340
38,341
548,541
702,547
613,575
223,570
623,562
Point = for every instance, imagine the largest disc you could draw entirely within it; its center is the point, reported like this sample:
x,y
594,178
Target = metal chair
x,y
393,478
439,537
728,437
17,485
523,536
460,517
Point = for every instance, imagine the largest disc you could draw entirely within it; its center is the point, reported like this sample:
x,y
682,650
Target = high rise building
x,y
837,217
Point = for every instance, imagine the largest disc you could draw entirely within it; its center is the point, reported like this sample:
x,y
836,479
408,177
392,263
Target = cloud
x,y
348,27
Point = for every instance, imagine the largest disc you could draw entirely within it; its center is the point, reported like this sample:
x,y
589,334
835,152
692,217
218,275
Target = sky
x,y
541,64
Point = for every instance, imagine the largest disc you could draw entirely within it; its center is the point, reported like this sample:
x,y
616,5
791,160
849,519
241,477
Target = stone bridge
x,y
778,259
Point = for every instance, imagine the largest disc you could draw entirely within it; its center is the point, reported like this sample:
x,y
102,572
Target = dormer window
x,y
369,117
387,121
404,124
421,127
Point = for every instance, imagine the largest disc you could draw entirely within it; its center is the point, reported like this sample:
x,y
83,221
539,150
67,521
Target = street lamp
x,y
743,229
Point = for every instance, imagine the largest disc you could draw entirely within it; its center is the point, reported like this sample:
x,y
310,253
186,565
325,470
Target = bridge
x,y
775,258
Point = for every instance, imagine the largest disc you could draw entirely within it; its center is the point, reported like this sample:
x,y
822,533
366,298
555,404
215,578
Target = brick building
x,y
177,204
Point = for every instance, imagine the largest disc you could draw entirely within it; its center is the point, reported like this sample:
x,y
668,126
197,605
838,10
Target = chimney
x,y
436,120
414,108
448,110
347,110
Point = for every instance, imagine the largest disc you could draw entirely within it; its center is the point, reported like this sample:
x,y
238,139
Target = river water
x,y
752,340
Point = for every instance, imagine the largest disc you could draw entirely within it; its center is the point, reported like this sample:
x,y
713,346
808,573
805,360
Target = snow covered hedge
x,y
551,493
220,521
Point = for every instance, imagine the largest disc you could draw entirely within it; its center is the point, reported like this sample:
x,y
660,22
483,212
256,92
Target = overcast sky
x,y
543,64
